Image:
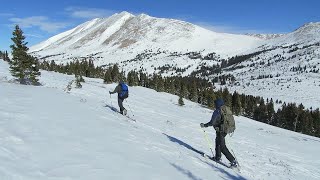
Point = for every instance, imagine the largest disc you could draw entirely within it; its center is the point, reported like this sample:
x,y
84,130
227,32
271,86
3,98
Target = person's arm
x,y
215,118
115,90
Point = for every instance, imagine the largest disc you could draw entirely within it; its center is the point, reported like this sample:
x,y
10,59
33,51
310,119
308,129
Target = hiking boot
x,y
124,112
216,158
234,164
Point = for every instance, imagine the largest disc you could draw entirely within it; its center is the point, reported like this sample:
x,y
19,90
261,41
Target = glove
x,y
201,125
109,92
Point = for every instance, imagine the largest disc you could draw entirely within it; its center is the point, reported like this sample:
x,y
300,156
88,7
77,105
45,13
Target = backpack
x,y
124,91
228,124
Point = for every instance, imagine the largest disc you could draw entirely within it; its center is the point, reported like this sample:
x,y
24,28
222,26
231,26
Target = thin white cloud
x,y
42,22
34,35
88,13
6,14
228,29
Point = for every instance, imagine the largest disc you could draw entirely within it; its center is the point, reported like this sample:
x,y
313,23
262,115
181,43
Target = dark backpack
x,y
228,124
124,91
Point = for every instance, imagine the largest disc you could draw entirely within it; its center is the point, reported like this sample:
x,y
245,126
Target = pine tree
x,y
299,119
210,98
316,121
260,112
115,74
236,104
2,55
7,56
180,101
23,66
107,77
160,84
184,90
194,92
227,97
270,111
78,81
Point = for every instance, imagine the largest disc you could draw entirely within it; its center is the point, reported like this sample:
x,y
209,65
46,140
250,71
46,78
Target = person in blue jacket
x,y
123,93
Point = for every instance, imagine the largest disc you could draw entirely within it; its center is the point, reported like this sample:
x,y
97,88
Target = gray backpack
x,y
228,124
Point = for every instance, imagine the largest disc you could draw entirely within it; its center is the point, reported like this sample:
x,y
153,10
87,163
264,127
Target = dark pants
x,y
120,103
221,146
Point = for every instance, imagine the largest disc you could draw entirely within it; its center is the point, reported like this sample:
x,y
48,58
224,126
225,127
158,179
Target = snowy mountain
x,y
285,68
122,36
46,133
267,65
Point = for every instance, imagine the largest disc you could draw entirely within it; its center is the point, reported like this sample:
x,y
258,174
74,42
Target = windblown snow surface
x,y
48,134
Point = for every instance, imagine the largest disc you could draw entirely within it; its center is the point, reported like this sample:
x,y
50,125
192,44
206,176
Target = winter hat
x,y
219,102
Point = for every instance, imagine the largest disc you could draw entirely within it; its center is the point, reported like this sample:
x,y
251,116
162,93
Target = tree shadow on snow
x,y
188,173
185,171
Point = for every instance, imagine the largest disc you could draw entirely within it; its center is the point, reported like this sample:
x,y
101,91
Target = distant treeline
x,y
4,55
290,116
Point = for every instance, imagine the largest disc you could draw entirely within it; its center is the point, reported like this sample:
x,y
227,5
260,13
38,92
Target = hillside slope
x,y
46,133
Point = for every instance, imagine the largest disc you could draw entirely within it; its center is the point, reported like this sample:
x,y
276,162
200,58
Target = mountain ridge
x,y
152,44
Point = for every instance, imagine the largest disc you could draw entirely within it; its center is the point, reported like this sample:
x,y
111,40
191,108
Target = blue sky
x,y
42,19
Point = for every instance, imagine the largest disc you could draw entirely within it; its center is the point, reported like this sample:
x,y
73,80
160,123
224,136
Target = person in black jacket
x,y
216,121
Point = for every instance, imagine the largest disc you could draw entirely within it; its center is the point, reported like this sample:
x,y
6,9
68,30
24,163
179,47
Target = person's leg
x,y
120,103
218,146
224,148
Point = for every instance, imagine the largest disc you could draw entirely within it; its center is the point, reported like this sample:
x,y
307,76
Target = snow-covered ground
x,y
46,133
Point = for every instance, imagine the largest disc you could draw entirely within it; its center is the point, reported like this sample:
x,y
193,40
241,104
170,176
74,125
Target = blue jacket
x,y
216,116
215,119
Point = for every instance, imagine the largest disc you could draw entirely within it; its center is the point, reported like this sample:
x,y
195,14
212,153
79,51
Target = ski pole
x,y
207,139
230,144
129,108
111,100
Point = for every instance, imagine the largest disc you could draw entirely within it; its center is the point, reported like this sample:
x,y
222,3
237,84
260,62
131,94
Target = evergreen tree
x,y
236,104
78,81
180,101
290,113
23,66
107,77
7,57
227,97
316,121
115,74
270,111
184,90
210,98
307,123
260,112
160,84
299,119
193,92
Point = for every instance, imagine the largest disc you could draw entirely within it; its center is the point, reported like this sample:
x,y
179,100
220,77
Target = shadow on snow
x,y
111,107
188,173
185,171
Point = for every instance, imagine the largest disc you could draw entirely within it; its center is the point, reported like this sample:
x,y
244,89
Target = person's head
x,y
218,103
121,81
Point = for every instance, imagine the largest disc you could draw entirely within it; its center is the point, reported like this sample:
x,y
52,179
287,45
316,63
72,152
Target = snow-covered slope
x,y
265,36
46,133
286,68
306,34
